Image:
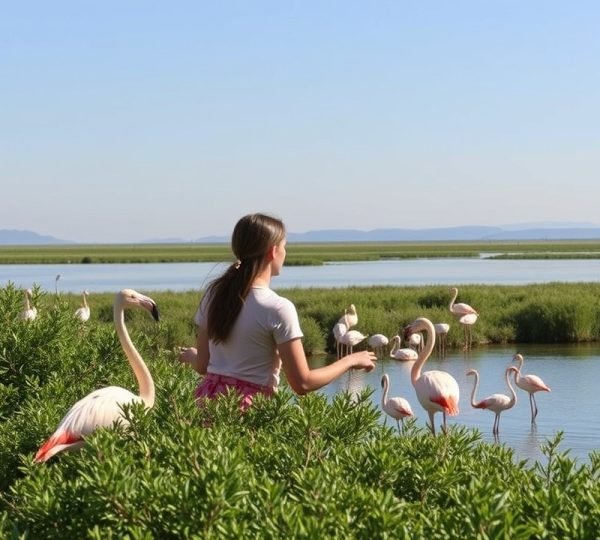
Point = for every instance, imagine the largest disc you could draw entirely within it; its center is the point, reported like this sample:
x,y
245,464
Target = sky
x,y
136,120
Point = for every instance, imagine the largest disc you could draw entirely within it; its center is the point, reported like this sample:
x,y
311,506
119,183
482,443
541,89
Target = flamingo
x,y
415,341
397,407
102,408
466,315
350,317
58,276
83,313
441,332
352,338
29,311
437,391
339,329
496,402
529,383
378,342
398,353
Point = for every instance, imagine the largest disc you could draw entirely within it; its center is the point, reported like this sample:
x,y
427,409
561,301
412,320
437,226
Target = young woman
x,y
246,331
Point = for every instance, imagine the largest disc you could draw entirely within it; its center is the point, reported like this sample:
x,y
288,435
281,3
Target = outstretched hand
x,y
187,355
363,360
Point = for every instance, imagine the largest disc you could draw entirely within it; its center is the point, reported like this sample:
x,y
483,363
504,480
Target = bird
x,y
396,407
58,276
441,333
83,313
415,341
339,329
102,408
437,391
399,353
350,317
29,311
352,338
531,384
496,402
466,315
378,342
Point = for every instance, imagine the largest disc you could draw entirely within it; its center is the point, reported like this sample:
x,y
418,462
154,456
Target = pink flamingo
x,y
29,312
350,317
339,329
396,407
496,402
531,384
378,342
466,315
350,339
102,407
441,332
83,313
398,353
437,391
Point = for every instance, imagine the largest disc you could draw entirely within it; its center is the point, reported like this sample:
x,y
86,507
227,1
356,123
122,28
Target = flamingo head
x,y
384,380
418,325
131,298
518,358
472,372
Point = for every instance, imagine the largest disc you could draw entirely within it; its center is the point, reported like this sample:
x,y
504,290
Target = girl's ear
x,y
271,253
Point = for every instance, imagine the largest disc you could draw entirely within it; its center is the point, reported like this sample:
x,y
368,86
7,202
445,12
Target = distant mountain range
x,y
467,233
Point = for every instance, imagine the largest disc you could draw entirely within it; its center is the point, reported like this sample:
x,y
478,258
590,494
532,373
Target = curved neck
x,y
425,352
385,392
85,304
27,303
395,345
453,299
141,372
513,394
475,385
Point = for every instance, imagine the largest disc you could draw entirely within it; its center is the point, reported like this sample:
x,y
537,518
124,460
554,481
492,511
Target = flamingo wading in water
x,y
378,342
101,408
531,384
396,407
466,315
496,402
437,391
402,353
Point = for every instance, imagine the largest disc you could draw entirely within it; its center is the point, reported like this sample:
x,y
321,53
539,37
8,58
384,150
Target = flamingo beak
x,y
154,311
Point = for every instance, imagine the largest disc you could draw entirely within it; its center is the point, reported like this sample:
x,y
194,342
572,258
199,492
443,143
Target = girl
x,y
246,331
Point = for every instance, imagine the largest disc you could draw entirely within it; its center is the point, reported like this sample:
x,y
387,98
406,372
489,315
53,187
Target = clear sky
x,y
123,121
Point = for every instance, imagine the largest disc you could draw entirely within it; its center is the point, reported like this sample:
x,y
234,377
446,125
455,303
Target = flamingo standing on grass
x,y
83,313
29,312
102,407
396,407
531,384
437,391
496,402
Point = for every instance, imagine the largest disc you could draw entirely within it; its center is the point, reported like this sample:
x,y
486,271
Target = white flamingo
x,y
415,341
496,402
466,315
378,342
102,407
339,329
396,407
352,338
437,391
58,276
83,313
29,311
399,353
531,384
441,333
350,317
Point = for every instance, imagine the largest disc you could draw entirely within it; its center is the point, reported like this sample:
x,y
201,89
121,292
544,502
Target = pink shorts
x,y
214,384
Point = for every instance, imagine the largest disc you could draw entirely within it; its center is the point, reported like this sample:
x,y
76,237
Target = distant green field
x,y
298,254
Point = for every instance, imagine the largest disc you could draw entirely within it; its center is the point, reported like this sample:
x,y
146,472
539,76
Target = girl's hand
x,y
363,360
188,355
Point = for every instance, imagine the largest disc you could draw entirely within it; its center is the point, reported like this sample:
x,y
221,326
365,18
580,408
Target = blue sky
x,y
128,121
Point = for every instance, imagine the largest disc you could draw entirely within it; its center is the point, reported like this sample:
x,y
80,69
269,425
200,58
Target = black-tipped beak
x,y
407,332
155,313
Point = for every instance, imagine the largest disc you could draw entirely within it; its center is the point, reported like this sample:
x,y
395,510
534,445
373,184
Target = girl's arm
x,y
302,379
198,356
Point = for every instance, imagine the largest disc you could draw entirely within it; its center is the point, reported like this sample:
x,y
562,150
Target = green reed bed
x,y
291,467
298,253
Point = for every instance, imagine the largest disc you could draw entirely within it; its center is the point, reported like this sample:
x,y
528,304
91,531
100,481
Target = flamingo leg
x,y
444,426
398,422
531,405
431,424
534,406
496,424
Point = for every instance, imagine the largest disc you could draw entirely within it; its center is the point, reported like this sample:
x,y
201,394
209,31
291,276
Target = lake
x,y
193,276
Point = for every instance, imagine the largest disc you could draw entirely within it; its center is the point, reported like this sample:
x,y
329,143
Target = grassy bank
x,y
298,253
291,467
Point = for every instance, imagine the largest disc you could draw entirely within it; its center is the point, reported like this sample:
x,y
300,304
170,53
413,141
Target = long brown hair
x,y
253,236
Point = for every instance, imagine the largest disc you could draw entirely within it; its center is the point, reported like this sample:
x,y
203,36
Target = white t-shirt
x,y
265,320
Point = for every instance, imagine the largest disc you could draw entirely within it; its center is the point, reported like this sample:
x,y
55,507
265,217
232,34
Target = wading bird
x,y
396,407
350,339
339,329
496,402
102,407
350,317
378,342
58,276
29,311
437,391
531,384
402,353
466,315
83,313
441,333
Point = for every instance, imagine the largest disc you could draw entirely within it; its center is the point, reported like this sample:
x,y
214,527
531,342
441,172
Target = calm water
x,y
570,371
188,276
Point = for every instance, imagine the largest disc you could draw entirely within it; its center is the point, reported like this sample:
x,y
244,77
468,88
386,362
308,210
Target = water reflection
x,y
570,370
